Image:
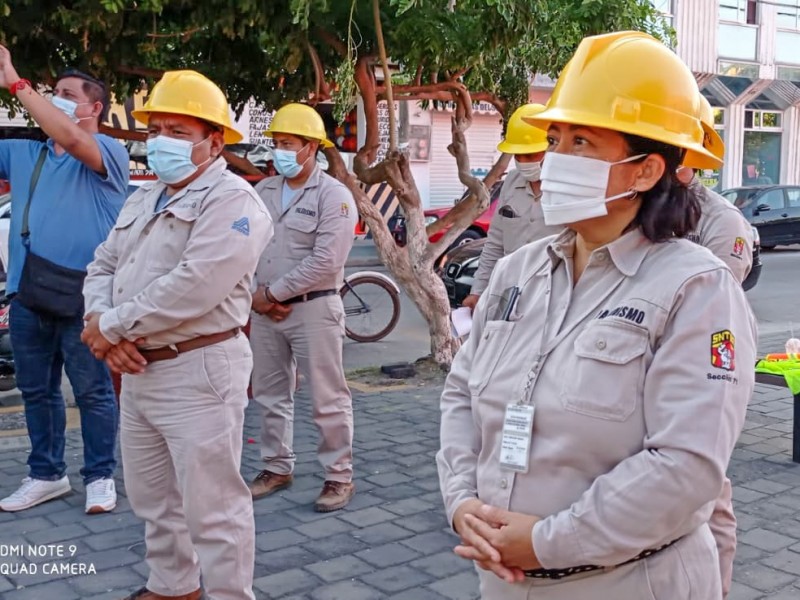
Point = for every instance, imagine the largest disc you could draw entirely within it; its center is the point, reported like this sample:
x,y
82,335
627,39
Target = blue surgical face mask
x,y
285,162
171,159
68,107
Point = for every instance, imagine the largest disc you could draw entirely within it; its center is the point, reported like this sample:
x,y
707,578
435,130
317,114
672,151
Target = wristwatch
x,y
18,85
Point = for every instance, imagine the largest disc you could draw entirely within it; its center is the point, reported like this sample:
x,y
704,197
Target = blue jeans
x,y
43,345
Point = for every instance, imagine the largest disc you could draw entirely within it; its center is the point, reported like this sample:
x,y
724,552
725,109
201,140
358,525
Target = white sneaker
x,y
33,492
101,496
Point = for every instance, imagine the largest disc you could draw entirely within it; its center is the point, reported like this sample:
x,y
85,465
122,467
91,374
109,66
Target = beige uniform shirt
x,y
506,233
185,271
723,230
640,376
313,236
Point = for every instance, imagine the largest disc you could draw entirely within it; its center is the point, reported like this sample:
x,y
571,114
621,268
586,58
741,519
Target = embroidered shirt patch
x,y
723,350
242,226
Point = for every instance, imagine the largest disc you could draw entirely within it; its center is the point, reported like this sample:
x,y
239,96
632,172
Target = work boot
x,y
334,495
145,594
267,483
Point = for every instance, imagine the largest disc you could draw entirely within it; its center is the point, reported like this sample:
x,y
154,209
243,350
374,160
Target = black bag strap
x,y
37,170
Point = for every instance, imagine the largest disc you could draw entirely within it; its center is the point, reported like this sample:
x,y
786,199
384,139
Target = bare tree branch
x,y
123,134
418,75
332,41
322,90
458,148
184,35
366,87
387,76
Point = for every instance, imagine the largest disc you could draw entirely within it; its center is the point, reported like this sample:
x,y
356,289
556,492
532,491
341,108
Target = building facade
x,y
745,55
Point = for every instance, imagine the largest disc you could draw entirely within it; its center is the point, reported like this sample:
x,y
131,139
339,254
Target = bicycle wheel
x,y
371,308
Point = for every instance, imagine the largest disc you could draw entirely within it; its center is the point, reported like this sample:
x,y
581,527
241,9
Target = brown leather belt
x,y
170,352
310,296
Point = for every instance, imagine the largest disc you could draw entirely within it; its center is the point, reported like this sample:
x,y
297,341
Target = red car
x,y
479,228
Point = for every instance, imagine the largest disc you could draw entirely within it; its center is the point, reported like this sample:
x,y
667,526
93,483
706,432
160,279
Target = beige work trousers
x,y
181,439
310,338
687,570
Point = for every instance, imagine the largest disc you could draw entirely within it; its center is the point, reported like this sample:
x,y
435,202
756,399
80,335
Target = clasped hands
x,y
498,540
265,304
120,358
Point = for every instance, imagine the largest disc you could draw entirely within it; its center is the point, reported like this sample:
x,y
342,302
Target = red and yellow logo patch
x,y
723,350
738,246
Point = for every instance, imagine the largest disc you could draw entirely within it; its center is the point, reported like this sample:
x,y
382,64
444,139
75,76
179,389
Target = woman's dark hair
x,y
669,209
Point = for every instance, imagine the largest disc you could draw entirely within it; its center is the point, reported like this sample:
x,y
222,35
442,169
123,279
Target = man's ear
x,y
217,143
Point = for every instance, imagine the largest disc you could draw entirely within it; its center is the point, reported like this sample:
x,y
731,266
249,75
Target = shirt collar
x,y
627,252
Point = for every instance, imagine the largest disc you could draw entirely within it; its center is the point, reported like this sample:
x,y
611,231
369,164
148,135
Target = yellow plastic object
x,y
629,82
301,120
522,138
193,94
712,141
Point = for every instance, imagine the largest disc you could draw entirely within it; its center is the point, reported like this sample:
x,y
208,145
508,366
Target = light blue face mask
x,y
285,162
68,107
171,159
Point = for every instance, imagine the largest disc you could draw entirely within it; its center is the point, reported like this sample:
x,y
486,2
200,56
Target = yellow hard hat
x,y
193,94
522,138
712,141
300,120
631,83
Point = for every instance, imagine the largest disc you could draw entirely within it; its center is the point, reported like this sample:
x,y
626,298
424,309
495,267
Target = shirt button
x,y
504,483
133,260
119,290
601,344
601,257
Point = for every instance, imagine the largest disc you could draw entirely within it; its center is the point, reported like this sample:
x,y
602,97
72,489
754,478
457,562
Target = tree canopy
x,y
277,51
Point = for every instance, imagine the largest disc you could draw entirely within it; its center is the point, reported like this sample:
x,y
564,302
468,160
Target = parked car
x,y
476,231
457,269
773,209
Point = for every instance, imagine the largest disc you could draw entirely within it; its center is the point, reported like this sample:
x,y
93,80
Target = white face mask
x,y
530,171
574,187
68,107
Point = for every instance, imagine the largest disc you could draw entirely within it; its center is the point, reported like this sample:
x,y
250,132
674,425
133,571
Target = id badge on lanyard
x,y
515,447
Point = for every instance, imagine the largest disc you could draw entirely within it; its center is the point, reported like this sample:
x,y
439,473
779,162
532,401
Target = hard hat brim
x,y
508,148
324,142
559,115
231,136
714,144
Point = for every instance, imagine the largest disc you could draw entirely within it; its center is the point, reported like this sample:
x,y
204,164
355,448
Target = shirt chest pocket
x,y
124,227
607,379
301,233
494,339
171,231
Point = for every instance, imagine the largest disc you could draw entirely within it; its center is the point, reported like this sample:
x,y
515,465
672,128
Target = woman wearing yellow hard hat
x,y
588,421
518,218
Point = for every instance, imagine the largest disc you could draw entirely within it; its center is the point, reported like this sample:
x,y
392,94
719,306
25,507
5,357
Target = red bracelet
x,y
18,85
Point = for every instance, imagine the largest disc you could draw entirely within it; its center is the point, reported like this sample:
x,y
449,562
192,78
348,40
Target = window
x,y
762,120
663,6
738,11
773,199
793,196
788,14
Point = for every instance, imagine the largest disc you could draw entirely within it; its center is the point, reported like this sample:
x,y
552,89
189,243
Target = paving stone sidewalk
x,y
393,540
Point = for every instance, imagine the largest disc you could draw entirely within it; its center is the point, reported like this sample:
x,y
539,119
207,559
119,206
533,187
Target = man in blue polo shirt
x,y
79,193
